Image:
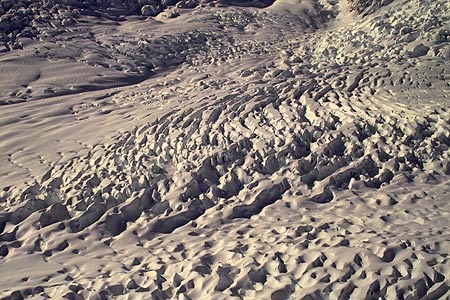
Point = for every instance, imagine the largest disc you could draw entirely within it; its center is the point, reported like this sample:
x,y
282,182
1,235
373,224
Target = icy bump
x,y
57,212
266,197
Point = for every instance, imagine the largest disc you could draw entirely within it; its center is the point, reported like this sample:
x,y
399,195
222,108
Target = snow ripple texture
x,y
276,152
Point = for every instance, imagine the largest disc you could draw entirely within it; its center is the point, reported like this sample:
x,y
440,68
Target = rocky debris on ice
x,y
367,6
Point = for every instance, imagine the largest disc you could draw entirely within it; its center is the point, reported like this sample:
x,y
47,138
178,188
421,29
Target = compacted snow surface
x,y
287,149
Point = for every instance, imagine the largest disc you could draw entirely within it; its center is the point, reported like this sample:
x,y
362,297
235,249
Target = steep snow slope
x,y
290,151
